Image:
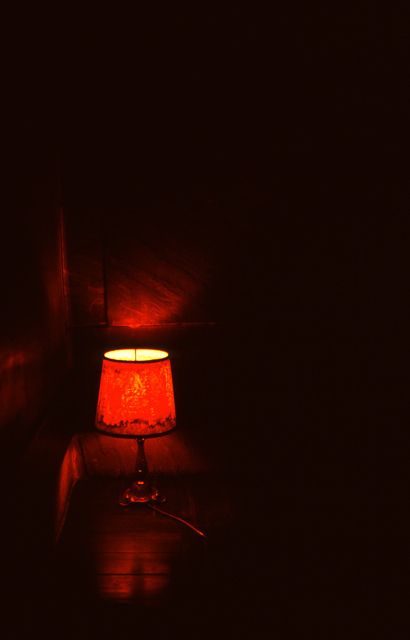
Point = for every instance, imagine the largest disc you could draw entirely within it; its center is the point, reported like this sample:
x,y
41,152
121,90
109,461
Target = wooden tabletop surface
x,y
134,554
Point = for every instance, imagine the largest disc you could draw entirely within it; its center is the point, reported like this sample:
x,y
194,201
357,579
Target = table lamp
x,y
136,400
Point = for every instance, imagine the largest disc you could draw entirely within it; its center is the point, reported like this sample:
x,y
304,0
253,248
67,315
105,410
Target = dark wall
x,y
199,168
33,319
174,130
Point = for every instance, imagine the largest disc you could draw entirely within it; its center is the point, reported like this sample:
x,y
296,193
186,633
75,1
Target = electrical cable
x,y
171,515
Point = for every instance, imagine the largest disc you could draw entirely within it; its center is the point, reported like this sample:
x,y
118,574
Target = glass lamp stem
x,y
141,489
142,467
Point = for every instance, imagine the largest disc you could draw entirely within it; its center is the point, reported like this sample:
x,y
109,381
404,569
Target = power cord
x,y
171,515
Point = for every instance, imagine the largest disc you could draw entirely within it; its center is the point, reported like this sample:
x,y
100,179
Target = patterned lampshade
x,y
136,395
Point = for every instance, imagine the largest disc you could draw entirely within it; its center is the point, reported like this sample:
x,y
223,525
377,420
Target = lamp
x,y
136,400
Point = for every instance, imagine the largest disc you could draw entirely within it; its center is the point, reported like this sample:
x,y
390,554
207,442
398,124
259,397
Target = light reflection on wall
x,y
163,280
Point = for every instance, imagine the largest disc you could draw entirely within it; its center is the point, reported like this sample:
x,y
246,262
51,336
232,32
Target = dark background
x,y
218,169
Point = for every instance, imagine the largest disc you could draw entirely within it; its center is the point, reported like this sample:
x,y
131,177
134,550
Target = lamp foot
x,y
141,492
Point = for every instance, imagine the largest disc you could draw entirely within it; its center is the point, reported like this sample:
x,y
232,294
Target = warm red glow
x,y
159,283
136,393
126,588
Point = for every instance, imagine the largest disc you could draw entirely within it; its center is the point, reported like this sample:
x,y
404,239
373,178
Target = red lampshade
x,y
136,393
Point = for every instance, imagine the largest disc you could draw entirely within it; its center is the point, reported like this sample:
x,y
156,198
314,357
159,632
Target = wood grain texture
x,y
85,266
132,554
159,265
171,256
173,454
33,319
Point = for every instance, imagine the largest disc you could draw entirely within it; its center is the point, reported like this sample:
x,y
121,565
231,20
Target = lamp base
x,y
140,492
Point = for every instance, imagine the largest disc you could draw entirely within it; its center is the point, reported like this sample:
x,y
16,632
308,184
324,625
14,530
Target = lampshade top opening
x,y
136,355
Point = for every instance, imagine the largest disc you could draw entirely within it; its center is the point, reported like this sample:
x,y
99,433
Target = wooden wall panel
x,y
85,266
33,322
172,257
159,266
